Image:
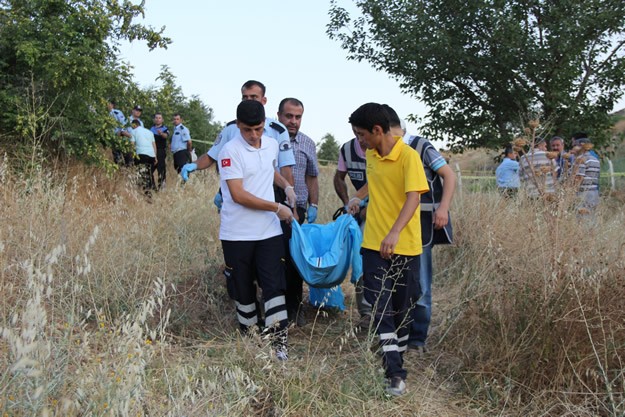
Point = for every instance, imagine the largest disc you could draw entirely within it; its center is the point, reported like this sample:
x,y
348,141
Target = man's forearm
x,y
312,184
287,173
449,186
204,161
363,192
280,181
407,211
340,187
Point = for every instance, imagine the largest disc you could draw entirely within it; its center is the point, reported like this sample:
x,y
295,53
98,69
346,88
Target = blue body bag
x,y
323,253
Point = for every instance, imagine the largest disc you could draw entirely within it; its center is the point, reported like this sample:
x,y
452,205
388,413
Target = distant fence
x,y
486,179
486,176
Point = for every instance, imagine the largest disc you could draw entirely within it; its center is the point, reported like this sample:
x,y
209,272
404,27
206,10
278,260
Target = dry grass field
x,y
113,305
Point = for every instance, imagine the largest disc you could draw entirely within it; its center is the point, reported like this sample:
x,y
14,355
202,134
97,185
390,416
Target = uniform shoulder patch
x,y
275,126
231,122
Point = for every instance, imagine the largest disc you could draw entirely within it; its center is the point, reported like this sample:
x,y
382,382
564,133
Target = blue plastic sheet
x,y
323,253
327,297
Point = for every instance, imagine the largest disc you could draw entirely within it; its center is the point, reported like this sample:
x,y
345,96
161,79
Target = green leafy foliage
x,y
485,67
58,68
328,149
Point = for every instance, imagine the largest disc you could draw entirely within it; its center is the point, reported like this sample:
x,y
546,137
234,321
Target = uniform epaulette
x,y
277,127
231,123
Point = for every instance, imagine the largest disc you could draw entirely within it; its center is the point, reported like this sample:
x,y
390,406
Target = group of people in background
x,y
149,151
269,177
541,171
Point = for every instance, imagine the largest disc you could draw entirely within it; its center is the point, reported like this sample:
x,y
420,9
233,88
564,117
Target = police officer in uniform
x,y
180,143
161,133
120,119
251,90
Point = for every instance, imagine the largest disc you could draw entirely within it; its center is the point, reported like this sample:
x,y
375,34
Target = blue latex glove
x,y
218,200
312,214
186,169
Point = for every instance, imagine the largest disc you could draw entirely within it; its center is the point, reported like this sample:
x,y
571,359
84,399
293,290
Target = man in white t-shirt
x,y
250,231
145,150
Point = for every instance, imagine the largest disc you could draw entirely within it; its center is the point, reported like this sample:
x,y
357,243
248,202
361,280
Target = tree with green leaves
x,y
328,149
485,67
58,67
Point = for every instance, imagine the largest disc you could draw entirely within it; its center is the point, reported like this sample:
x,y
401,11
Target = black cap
x,y
138,108
250,112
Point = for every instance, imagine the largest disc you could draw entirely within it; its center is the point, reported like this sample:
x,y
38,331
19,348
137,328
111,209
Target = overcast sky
x,y
217,46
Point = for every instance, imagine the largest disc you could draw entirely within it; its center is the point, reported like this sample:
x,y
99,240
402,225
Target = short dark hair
x,y
158,113
394,120
250,112
579,135
369,115
292,100
251,83
177,114
113,102
135,122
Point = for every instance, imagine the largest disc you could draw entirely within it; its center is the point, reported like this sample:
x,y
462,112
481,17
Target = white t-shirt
x,y
238,160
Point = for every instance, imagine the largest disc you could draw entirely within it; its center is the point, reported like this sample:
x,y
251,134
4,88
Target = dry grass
x,y
535,306
113,305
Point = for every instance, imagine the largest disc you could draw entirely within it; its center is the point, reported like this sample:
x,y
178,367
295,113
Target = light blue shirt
x,y
143,140
273,129
507,174
119,117
179,138
130,129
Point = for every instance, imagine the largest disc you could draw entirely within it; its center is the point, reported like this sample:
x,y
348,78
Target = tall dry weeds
x,y
115,305
537,302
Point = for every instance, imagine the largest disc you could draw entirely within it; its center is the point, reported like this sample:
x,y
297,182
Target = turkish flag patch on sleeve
x,y
225,162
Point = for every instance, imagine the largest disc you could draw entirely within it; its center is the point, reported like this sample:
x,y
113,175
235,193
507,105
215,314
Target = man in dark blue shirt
x,y
161,133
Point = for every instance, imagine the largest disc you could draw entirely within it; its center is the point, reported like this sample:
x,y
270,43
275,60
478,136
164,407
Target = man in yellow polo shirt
x,y
392,237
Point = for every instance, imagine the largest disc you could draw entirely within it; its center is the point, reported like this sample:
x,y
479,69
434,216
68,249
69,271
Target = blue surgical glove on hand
x,y
184,172
218,200
312,214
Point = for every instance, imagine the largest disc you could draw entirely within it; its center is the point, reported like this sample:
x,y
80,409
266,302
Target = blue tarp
x,y
327,297
323,253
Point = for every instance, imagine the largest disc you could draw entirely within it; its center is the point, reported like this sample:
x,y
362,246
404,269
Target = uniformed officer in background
x,y
250,90
180,143
120,119
161,133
